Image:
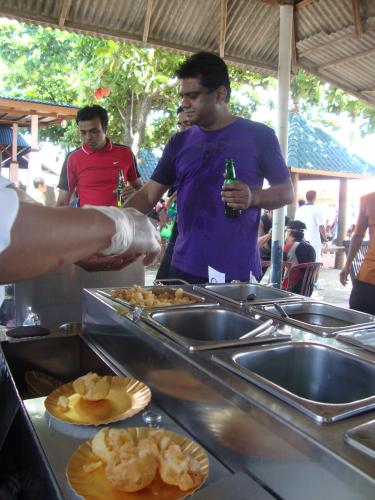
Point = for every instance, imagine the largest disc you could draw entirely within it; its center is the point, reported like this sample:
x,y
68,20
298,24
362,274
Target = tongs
x,y
267,327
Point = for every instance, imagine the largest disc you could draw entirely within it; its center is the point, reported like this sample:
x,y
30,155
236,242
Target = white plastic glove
x,y
135,233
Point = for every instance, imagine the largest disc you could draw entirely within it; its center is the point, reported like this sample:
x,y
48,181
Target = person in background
x,y
44,194
362,297
91,173
297,251
35,240
209,244
311,215
165,265
92,170
301,202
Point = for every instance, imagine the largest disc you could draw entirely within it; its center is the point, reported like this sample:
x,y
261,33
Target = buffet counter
x,y
243,394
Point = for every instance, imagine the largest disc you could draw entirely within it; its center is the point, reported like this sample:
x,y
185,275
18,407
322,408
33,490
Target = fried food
x,y
138,296
132,474
132,465
179,468
92,387
63,403
112,444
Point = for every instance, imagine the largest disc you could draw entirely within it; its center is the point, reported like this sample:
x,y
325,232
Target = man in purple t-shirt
x,y
209,242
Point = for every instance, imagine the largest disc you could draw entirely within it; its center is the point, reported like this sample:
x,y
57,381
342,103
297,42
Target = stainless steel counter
x,y
249,429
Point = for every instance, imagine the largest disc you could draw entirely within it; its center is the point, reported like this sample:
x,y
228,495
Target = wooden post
x,y
13,169
35,164
341,221
292,208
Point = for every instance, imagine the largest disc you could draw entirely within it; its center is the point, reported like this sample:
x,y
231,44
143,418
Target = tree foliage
x,y
136,85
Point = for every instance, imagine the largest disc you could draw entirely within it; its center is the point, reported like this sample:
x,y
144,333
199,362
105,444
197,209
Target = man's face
x,y
183,121
198,102
92,133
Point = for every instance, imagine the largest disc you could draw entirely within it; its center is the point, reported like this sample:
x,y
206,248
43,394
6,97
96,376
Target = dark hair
x,y
301,203
297,229
38,181
90,112
210,68
311,195
179,110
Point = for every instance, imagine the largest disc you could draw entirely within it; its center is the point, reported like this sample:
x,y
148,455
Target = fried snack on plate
x,y
138,296
179,468
132,474
112,444
92,387
63,403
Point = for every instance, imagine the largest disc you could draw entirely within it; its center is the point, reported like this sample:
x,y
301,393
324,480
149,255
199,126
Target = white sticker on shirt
x,y
215,276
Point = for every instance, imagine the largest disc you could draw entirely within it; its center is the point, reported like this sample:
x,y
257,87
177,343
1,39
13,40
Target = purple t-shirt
x,y
194,160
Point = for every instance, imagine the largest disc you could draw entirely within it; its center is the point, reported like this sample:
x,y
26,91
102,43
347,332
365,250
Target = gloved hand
x,y
135,233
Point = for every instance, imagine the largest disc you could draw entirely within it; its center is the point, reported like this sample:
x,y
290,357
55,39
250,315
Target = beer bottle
x,y
120,187
230,178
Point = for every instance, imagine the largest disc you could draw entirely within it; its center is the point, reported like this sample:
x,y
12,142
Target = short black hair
x,y
210,68
297,229
311,195
90,112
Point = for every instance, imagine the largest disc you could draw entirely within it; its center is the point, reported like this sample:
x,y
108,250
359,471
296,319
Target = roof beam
x,y
356,19
146,28
304,3
223,26
348,59
65,7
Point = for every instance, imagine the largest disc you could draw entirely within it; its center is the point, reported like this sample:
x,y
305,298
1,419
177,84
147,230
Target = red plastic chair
x,y
301,278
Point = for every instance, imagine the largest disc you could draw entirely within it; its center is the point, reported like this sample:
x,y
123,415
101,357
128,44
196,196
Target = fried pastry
x,y
179,468
92,387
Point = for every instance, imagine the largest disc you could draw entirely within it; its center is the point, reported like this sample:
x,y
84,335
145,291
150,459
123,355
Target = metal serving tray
x,y
323,382
247,293
320,318
201,301
362,438
199,329
363,338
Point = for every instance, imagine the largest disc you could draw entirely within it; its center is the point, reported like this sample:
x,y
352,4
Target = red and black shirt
x,y
94,174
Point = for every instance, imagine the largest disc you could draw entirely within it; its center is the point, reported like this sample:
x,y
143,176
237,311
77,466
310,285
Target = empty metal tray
x,y
362,438
318,317
211,328
247,293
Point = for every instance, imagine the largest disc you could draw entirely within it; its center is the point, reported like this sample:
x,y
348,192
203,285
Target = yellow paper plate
x,y
126,398
95,486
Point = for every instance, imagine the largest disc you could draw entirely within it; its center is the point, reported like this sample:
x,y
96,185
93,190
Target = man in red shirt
x,y
92,170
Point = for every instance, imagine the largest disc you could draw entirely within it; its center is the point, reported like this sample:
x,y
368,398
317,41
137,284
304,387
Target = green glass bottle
x,y
120,187
231,178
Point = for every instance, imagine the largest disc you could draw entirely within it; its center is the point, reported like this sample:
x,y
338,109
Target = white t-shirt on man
x,y
312,216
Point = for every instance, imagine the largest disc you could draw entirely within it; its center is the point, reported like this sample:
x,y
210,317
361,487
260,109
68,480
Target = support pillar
x,y
285,55
35,163
13,169
341,221
292,208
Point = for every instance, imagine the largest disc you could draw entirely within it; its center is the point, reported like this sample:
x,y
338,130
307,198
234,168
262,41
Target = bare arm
x,y
355,244
322,231
146,198
242,196
44,239
63,198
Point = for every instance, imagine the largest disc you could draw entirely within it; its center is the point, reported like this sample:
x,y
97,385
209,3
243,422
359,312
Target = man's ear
x,y
221,93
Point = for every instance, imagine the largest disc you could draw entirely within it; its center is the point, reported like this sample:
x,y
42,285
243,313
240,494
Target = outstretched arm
x,y
43,239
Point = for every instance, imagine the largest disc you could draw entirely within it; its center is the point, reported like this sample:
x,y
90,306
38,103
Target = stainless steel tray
x,y
362,438
247,293
320,318
200,300
364,339
203,329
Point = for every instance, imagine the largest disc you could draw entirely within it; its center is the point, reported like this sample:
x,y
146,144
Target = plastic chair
x,y
266,264
301,278
358,259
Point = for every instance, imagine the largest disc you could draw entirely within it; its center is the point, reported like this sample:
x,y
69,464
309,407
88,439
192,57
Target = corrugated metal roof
x,y
6,138
324,29
311,148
